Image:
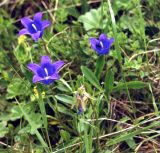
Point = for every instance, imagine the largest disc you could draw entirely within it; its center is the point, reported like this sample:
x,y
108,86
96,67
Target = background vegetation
x,y
120,91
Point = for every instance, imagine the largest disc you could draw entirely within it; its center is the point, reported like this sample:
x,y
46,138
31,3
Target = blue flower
x,y
34,27
80,110
46,72
101,45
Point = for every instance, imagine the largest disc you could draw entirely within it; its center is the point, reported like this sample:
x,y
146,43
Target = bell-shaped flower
x,y
80,110
35,27
101,45
46,72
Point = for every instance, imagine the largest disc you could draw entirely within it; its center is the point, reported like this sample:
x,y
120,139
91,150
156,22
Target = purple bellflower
x,y
101,45
80,111
34,27
46,72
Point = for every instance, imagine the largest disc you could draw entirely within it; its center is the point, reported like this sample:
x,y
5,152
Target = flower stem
x,y
44,115
45,47
30,56
47,50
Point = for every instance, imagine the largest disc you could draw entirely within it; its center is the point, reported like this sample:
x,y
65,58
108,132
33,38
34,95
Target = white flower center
x,y
101,44
46,71
46,78
34,27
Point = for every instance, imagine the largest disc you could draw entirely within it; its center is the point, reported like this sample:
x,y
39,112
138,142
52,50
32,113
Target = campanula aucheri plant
x,y
101,45
35,27
46,72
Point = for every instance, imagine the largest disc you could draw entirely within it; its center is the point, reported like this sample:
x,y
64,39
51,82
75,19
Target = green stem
x,y
30,54
44,115
97,126
46,48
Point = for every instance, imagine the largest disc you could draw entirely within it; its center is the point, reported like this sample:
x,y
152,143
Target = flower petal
x,y
45,24
33,67
107,43
111,41
45,59
47,69
55,76
36,78
57,65
26,21
38,16
47,82
80,110
103,37
41,72
36,36
94,42
103,51
23,32
51,79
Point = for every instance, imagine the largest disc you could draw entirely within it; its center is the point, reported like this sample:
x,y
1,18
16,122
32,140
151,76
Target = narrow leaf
x,y
130,85
109,81
65,98
99,66
90,76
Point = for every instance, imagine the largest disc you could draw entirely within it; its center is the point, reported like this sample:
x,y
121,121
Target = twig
x,y
52,16
6,145
146,52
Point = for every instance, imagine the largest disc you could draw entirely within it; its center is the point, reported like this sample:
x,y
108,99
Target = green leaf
x,y
84,6
18,87
73,12
14,112
122,5
99,66
3,129
63,109
62,87
65,135
66,84
32,124
131,143
90,76
36,122
130,85
153,99
65,98
61,15
93,19
109,81
22,53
